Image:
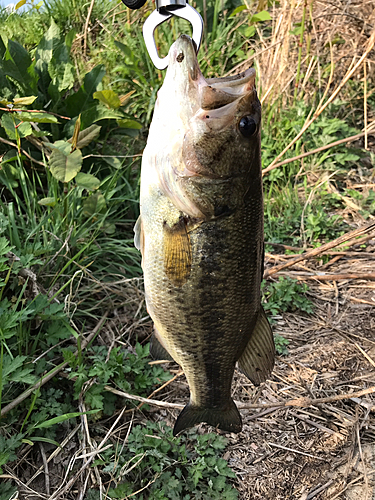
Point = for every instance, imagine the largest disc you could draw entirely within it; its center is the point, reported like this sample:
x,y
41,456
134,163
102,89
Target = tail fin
x,y
227,419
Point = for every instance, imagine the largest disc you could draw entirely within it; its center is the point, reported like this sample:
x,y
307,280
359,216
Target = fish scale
x,y
201,235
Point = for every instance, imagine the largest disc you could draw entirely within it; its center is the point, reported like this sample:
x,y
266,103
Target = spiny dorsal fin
x,y
177,252
258,358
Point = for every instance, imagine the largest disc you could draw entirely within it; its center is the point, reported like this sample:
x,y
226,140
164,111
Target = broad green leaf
x,y
63,146
125,49
260,17
24,101
82,100
99,112
2,48
109,228
23,129
47,202
87,181
20,4
41,133
61,69
43,55
11,155
17,64
39,5
129,124
37,117
50,41
113,161
62,418
94,204
70,37
296,31
65,167
9,174
109,98
238,9
88,135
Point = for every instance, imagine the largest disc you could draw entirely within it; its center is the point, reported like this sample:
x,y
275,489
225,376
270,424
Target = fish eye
x,y
247,126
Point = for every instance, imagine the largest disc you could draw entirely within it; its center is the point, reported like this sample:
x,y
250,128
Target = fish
x,y
200,233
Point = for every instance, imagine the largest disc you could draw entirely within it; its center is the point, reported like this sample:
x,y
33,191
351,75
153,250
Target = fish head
x,y
221,116
203,128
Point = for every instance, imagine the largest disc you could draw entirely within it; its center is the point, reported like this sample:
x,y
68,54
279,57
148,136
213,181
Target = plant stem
x,y
1,370
300,51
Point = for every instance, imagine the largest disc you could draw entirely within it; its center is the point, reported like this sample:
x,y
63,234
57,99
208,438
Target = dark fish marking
x,y
222,211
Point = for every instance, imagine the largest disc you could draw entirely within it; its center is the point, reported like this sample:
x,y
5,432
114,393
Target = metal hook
x,y
160,16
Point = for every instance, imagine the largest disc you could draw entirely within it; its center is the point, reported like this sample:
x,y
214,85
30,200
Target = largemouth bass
x,y
200,233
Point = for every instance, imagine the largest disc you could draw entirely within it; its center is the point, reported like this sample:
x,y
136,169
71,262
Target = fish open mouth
x,y
213,93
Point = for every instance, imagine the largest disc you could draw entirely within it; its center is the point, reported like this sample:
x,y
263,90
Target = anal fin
x,y
258,358
157,350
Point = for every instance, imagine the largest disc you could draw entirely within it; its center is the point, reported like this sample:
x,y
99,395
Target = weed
x,y
286,294
125,370
281,345
187,467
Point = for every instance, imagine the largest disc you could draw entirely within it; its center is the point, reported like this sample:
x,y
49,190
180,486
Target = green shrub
x,y
187,467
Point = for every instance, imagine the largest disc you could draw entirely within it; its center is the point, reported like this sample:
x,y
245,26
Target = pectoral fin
x,y
177,252
258,358
138,235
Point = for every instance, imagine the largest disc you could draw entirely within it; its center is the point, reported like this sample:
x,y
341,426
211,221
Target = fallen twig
x,y
302,402
99,449
314,151
334,277
55,453
9,143
295,451
318,251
